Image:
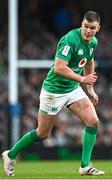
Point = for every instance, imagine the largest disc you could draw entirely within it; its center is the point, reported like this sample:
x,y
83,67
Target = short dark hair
x,y
92,16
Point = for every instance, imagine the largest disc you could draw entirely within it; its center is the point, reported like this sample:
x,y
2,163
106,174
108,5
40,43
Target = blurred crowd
x,y
41,24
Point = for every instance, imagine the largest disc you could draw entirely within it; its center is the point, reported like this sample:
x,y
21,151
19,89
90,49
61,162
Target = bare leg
x,y
45,124
85,111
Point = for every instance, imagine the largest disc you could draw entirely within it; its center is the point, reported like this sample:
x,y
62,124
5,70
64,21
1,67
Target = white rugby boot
x,y
8,164
90,170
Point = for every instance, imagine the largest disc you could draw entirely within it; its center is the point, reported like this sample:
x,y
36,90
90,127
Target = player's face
x,y
89,29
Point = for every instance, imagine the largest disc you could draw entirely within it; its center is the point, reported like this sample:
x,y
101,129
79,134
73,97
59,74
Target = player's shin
x,y
88,144
27,140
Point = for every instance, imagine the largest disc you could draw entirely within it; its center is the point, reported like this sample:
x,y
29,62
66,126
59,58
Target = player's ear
x,y
82,23
98,28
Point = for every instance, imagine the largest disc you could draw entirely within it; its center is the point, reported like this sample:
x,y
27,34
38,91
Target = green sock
x,y
88,144
25,141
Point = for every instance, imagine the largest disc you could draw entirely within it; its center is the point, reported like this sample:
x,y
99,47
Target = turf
x,y
55,170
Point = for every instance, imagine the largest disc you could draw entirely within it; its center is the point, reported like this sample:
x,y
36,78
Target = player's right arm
x,y
61,68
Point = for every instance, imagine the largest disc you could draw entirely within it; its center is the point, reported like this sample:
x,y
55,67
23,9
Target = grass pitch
x,y
55,170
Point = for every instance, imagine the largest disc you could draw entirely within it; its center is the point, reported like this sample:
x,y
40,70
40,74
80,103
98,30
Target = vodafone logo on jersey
x,y
82,62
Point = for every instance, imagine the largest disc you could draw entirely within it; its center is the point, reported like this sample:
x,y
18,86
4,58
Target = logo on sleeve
x,y
82,62
66,50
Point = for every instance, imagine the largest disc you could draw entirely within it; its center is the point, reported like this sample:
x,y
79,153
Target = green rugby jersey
x,y
77,52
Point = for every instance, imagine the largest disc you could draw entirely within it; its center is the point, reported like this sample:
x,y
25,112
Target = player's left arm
x,y
90,68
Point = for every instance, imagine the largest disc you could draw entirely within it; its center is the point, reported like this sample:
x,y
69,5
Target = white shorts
x,y
51,103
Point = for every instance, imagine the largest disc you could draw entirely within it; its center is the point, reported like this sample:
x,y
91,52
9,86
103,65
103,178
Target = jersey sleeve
x,y
65,49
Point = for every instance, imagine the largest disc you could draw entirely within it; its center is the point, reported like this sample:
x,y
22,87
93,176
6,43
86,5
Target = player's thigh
x,y
85,110
45,124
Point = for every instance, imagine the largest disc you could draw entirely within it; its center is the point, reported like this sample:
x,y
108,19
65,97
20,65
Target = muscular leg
x,y
45,123
85,110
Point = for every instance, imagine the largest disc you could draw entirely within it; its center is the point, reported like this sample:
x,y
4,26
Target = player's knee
x,y
94,122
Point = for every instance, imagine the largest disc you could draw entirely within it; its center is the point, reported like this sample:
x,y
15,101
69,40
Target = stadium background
x,y
41,24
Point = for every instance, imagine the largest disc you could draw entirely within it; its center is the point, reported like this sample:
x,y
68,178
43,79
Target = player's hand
x,y
93,95
89,79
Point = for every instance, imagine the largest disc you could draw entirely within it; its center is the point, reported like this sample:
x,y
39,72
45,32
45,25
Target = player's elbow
x,y
59,66
57,70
